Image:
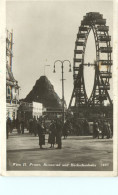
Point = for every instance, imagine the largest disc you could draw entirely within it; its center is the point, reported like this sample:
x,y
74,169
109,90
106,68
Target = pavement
x,y
78,153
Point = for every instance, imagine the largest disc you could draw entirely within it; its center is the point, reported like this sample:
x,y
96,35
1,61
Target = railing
x,y
11,101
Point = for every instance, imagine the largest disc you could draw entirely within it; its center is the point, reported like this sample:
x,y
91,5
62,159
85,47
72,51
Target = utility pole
x,y
45,68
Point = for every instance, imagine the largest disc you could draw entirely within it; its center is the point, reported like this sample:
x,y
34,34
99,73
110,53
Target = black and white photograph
x,y
60,88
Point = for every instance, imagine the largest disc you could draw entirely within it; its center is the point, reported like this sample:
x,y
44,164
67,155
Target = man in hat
x,y
41,135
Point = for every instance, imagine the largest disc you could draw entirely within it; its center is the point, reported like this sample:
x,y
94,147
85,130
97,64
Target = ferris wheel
x,y
93,21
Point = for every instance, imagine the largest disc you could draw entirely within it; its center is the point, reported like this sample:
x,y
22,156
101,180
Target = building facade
x,y
12,88
28,111
51,113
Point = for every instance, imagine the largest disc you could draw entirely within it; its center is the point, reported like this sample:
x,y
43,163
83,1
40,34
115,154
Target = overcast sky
x,y
46,31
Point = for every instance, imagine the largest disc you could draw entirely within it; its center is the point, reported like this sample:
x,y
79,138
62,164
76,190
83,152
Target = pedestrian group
x,y
57,129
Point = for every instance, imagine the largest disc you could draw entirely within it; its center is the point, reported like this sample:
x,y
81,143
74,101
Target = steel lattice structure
x,y
92,21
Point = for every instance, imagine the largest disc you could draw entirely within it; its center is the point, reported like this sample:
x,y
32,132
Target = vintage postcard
x,y
59,99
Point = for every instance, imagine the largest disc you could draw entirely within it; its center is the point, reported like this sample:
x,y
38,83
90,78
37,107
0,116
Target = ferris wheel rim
x,y
98,35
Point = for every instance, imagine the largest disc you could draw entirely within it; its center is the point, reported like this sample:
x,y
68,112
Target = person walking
x,y
95,129
27,124
41,134
8,127
52,135
35,126
65,129
22,126
108,130
58,133
82,127
31,126
105,129
86,127
18,125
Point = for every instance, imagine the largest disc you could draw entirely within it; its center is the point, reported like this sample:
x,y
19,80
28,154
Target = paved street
x,y
78,153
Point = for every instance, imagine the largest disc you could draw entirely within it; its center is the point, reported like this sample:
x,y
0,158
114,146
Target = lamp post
x,y
62,67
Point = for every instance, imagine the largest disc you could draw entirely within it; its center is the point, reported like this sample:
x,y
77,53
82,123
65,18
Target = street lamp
x,y
54,71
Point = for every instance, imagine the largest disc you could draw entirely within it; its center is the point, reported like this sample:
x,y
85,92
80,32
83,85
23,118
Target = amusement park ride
x,y
79,101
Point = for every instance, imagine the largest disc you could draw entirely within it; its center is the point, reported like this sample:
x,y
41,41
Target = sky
x,y
44,32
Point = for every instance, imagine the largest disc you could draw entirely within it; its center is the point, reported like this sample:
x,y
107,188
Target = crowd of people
x,y
102,128
37,127
57,129
79,127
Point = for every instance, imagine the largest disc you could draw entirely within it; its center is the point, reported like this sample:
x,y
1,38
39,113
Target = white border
x,y
3,107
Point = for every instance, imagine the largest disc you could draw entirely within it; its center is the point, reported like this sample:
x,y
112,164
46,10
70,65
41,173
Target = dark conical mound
x,y
43,92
